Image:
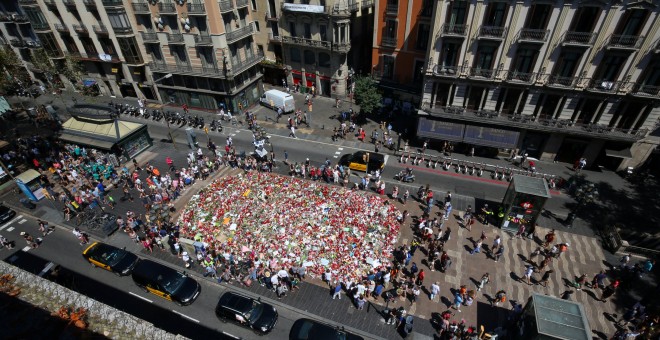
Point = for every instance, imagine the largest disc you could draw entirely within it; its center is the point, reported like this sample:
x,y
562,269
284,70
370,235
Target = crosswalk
x,y
8,226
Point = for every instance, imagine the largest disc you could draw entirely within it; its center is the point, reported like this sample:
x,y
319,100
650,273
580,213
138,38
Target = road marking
x,y
10,222
140,297
10,229
340,149
22,221
337,153
230,335
48,266
26,248
335,156
186,316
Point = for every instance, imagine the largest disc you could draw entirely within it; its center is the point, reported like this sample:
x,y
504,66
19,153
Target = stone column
x,y
491,102
530,104
461,93
569,107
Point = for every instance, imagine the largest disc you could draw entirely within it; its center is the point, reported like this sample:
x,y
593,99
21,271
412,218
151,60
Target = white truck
x,y
276,99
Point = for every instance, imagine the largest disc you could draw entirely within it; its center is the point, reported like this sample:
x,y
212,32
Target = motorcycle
x,y
405,176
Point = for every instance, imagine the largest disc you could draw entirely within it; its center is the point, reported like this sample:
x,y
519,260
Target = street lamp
x,y
585,194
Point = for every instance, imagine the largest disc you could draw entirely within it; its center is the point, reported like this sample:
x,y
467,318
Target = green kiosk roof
x,y
560,319
531,185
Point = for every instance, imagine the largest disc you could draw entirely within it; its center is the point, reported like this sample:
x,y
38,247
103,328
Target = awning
x,y
79,140
625,153
89,82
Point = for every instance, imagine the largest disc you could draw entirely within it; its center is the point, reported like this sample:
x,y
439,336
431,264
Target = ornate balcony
x,y
447,71
624,42
533,35
492,32
141,7
239,33
388,41
482,74
203,40
641,90
166,7
600,85
342,47
175,38
520,77
61,28
226,5
583,39
196,9
82,29
109,58
242,65
100,29
150,37
113,3
561,82
306,42
18,43
207,71
449,30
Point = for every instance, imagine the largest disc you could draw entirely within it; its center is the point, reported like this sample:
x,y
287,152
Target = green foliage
x,y
73,69
41,61
11,69
366,94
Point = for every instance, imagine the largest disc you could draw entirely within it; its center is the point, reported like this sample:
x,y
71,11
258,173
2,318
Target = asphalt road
x,y
197,321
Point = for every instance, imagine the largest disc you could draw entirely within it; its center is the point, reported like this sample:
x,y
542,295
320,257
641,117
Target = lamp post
x,y
585,194
169,131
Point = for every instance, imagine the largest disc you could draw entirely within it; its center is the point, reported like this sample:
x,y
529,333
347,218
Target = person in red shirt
x,y
420,277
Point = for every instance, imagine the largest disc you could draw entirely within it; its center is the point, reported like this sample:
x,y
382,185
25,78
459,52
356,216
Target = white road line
x,y
10,222
10,229
386,158
230,335
186,316
335,156
337,153
340,149
140,297
26,248
22,221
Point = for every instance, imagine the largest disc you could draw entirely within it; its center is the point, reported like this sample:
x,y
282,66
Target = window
x,y
310,59
585,19
427,8
155,53
292,29
323,32
35,16
390,29
119,21
254,5
422,36
609,68
485,57
458,13
129,49
324,59
496,14
568,62
418,71
260,48
179,54
388,66
450,54
525,59
308,30
49,44
633,22
538,16
295,55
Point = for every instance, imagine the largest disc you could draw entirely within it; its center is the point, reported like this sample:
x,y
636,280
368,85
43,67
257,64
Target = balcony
x,y
95,56
562,82
306,42
226,5
175,38
141,7
541,124
600,85
61,28
50,2
272,16
242,65
449,30
342,47
19,18
27,2
583,39
166,7
90,3
237,34
241,3
392,9
150,37
367,3
447,71
482,74
274,38
492,32
520,77
203,40
113,3
123,30
69,3
18,43
100,29
196,9
207,71
82,29
624,42
529,35
40,26
388,41
641,90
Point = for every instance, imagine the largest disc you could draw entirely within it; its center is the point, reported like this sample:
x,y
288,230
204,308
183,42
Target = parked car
x,y
6,214
304,329
247,312
166,282
116,260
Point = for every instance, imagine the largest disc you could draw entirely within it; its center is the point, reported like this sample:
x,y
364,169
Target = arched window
x,y
309,57
324,59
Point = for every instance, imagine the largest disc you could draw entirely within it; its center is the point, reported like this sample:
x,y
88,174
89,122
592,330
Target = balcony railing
x,y
392,9
342,47
203,39
533,35
175,38
492,32
17,43
150,37
209,71
241,3
112,3
447,71
645,90
388,41
166,7
40,26
242,65
141,7
579,38
520,77
559,81
226,5
618,41
601,85
80,28
480,73
19,18
272,37
455,30
113,58
242,32
100,29
196,9
61,27
306,42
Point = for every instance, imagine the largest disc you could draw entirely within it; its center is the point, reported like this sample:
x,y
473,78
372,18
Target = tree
x,y
41,61
12,70
367,95
73,69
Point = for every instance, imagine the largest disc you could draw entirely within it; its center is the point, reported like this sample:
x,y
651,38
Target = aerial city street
x,y
371,169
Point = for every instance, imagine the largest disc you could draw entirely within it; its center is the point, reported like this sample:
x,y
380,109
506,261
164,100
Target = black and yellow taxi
x,y
116,260
363,161
247,312
166,282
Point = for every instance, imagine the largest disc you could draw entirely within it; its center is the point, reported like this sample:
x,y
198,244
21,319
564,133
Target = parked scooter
x,y
406,176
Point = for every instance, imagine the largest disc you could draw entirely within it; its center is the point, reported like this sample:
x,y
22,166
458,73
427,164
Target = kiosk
x,y
550,318
523,201
30,184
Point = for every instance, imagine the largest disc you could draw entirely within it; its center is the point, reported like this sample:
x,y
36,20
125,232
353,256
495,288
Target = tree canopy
x,y
367,95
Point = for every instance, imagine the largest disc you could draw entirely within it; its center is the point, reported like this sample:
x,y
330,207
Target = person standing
x,y
420,277
458,301
477,247
497,242
499,253
293,131
609,291
435,290
545,278
549,238
484,280
528,274
500,297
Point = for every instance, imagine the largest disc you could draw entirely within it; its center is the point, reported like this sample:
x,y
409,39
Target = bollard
x,y
323,127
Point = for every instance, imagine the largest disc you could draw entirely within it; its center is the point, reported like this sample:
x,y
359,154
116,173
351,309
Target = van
x,y
276,99
166,282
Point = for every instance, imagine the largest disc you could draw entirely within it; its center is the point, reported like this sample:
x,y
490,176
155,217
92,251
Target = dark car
x,y
363,161
304,329
6,214
116,260
247,312
166,282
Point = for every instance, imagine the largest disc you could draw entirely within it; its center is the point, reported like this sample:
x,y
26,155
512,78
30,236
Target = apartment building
x,y
312,39
401,39
558,80
16,33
